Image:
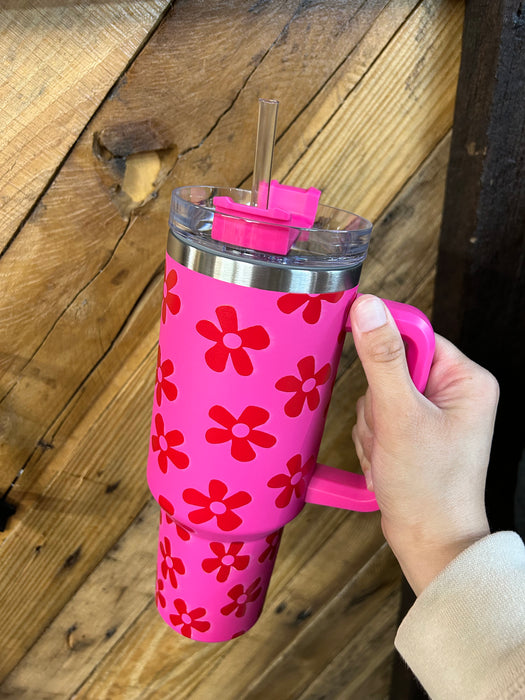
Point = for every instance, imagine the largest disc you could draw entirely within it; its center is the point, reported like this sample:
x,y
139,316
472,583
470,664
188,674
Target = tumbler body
x,y
244,379
250,340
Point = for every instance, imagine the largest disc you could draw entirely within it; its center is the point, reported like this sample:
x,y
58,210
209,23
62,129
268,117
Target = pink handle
x,y
340,489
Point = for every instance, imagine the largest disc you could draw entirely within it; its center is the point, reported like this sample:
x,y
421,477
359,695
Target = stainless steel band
x,y
276,278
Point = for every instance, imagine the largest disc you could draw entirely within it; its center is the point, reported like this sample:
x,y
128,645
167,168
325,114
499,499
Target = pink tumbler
x,y
254,315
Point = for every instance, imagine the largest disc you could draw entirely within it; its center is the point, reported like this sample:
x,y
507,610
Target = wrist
x,y
421,560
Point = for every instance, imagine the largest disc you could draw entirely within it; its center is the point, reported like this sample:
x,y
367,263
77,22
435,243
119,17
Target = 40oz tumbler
x,y
254,315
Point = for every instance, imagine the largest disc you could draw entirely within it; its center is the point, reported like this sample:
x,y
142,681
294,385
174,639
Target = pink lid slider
x,y
270,223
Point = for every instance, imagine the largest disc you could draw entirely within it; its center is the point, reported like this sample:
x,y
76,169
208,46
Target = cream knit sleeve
x,y
464,637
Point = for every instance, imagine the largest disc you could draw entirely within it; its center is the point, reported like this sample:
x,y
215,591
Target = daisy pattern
x,y
225,559
165,443
231,342
241,432
216,505
241,597
170,566
170,300
188,620
159,595
312,304
163,385
273,540
167,506
304,387
294,483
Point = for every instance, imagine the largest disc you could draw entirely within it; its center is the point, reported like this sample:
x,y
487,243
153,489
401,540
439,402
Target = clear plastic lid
x,y
337,238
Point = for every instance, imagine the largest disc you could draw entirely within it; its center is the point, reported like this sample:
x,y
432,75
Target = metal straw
x,y
262,167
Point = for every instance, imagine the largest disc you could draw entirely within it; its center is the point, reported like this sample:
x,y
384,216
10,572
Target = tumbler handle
x,y
335,487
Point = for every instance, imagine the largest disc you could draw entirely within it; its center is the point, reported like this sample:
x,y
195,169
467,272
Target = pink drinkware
x,y
254,315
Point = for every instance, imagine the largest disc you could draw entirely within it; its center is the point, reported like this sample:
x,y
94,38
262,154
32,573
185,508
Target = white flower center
x,y
232,341
309,385
240,430
217,507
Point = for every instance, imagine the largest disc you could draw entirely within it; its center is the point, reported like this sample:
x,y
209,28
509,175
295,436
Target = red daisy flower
x,y
216,505
241,598
164,369
292,483
230,341
159,596
273,541
170,566
170,300
165,443
240,431
289,303
304,386
189,619
225,560
167,506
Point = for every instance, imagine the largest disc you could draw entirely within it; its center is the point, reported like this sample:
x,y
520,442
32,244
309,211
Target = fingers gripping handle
x,y
418,336
335,487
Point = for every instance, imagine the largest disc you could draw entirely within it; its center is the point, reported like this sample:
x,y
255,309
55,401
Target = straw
x,y
262,167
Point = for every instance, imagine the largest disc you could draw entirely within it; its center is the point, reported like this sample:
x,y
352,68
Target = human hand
x,y
425,456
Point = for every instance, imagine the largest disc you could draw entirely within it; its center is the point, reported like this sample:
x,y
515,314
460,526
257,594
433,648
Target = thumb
x,y
381,351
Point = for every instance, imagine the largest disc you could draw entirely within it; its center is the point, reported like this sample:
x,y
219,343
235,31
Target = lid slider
x,y
272,229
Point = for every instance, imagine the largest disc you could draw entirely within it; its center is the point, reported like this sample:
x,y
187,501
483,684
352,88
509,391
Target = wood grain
x,y
410,90
110,257
37,386
367,91
59,62
59,661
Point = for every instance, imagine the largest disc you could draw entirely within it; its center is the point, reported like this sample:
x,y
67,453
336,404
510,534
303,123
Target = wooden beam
x,y
480,283
479,300
54,76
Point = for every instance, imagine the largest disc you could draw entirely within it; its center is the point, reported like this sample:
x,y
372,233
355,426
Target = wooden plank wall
x,y
106,107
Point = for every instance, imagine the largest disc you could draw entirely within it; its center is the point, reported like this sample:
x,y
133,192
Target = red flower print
x,y
170,300
225,560
304,386
159,596
240,431
270,552
292,483
165,443
230,341
216,505
167,506
163,386
241,598
170,566
189,619
312,311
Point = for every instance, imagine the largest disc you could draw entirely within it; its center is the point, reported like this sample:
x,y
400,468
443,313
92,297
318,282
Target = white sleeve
x,y
464,637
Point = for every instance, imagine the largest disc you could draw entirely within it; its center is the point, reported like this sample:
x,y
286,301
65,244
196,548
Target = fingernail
x,y
370,314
